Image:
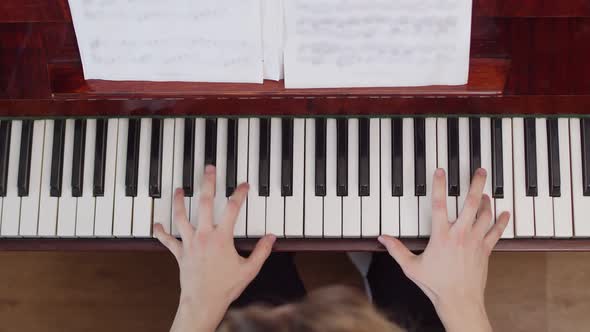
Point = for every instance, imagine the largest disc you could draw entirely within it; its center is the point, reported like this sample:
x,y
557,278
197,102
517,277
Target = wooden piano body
x,y
528,57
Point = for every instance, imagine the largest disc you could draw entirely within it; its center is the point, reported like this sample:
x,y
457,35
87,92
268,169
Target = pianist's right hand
x,y
453,269
212,273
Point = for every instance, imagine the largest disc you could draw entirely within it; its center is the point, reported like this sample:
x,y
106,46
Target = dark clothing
x,y
393,293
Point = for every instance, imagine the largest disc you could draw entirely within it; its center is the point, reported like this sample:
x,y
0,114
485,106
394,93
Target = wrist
x,y
463,315
195,315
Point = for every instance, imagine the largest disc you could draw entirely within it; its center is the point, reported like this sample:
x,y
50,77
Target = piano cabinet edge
x,y
283,245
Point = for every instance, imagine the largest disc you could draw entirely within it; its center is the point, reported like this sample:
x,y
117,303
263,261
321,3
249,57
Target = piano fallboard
x,y
282,245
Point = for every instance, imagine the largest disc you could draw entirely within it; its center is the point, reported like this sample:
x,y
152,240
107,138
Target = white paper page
x,y
172,40
273,29
364,43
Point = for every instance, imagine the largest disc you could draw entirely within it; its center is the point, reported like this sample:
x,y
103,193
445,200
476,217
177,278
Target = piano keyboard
x,y
310,178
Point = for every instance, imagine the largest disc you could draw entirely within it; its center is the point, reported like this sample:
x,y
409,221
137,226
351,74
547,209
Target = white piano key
x,y
332,203
123,213
220,200
294,204
507,203
543,202
47,204
87,203
163,205
524,214
389,204
29,217
425,203
370,204
351,204
464,162
581,203
177,172
256,204
486,159
11,206
409,201
242,174
66,218
142,203
314,205
562,206
199,169
443,162
103,223
275,203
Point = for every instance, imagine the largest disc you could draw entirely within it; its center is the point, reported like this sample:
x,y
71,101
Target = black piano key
x,y
585,135
156,146
342,157
497,159
24,165
420,157
188,158
264,159
78,158
132,165
553,153
5,130
57,158
364,157
530,151
397,157
320,157
287,158
474,145
100,157
231,173
210,142
453,156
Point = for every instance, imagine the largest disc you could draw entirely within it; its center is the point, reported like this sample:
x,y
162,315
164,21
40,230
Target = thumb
x,y
260,254
402,255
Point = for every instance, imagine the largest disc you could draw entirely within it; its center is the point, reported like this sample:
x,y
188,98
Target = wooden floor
x,y
138,291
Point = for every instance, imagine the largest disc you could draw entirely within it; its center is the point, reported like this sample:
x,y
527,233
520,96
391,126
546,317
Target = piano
x,y
91,165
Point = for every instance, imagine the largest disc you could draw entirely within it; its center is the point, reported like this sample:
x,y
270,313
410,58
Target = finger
x,y
440,216
260,254
234,206
496,231
167,240
473,199
205,210
484,216
402,255
180,219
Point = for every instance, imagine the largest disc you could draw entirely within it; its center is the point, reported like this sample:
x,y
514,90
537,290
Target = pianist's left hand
x,y
212,273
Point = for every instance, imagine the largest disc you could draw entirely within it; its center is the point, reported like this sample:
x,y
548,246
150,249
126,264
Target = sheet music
x,y
173,40
364,43
273,29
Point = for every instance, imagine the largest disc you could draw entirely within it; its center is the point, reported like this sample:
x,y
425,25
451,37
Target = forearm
x,y
192,317
464,318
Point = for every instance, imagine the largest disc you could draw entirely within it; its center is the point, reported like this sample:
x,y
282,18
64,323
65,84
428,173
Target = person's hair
x,y
333,309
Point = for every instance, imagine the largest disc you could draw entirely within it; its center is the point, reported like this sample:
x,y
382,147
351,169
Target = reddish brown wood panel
x,y
280,245
59,40
532,8
550,65
23,69
579,71
304,107
34,11
486,77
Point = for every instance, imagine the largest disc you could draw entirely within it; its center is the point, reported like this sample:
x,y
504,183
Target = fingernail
x,y
209,169
179,191
440,172
481,172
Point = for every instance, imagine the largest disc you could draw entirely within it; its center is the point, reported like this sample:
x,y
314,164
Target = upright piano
x,y
91,165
